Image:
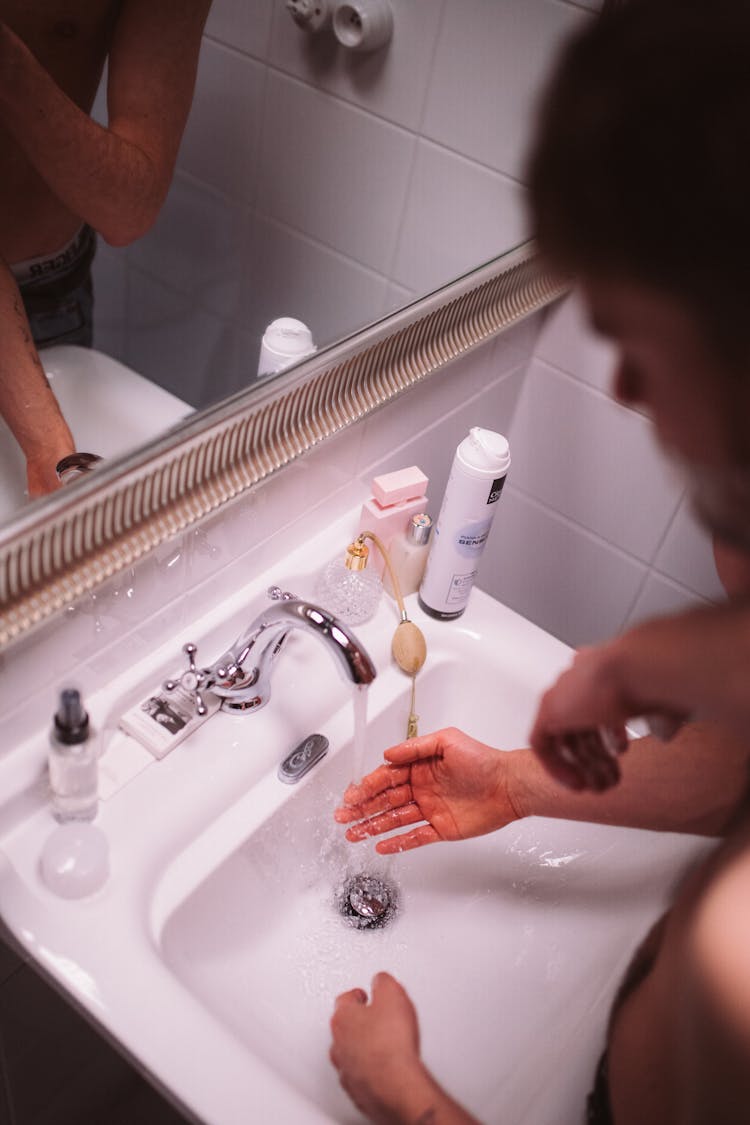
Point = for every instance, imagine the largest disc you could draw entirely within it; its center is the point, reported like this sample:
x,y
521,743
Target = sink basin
x,y
510,945
214,951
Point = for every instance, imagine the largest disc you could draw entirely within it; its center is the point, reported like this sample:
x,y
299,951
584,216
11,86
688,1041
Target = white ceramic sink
x,y
213,954
110,409
511,945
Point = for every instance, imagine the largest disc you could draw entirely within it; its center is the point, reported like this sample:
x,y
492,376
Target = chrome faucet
x,y
241,677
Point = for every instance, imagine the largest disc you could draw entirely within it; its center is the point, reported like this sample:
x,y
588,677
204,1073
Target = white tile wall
x,y
217,239
606,531
179,345
686,555
222,138
110,301
572,583
441,183
304,164
275,282
314,176
491,58
659,595
568,344
242,25
593,461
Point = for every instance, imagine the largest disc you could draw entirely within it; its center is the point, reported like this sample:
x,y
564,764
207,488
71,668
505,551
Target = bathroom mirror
x,y
326,185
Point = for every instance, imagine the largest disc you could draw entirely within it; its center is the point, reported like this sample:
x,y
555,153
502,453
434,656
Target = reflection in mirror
x,y
326,185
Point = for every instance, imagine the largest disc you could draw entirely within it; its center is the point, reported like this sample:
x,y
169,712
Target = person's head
x,y
639,185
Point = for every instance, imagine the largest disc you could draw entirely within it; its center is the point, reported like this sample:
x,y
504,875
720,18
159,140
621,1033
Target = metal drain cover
x,y
367,901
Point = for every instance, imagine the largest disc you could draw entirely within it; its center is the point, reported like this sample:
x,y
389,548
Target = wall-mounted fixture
x,y
359,25
310,15
363,25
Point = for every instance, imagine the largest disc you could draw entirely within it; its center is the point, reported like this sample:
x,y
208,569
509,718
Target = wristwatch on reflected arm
x,y
75,465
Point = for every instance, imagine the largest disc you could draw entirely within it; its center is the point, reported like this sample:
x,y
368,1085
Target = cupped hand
x,y
457,786
375,1047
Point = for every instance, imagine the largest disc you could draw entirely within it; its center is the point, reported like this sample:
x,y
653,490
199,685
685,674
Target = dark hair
x,y
641,166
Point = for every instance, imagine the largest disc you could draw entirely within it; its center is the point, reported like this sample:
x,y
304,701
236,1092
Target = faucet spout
x,y
242,676
351,656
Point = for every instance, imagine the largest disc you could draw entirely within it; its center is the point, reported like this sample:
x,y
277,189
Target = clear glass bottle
x,y
347,589
73,769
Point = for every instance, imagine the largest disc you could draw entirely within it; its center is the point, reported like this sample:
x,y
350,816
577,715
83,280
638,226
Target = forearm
x,y
101,176
693,783
116,178
423,1101
27,402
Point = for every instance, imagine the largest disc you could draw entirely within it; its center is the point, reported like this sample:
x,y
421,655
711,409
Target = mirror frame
x,y
79,537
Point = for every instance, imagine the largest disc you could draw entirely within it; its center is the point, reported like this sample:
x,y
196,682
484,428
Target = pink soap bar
x,y
404,484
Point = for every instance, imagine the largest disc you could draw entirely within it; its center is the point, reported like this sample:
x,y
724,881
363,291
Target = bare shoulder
x,y
719,945
712,1028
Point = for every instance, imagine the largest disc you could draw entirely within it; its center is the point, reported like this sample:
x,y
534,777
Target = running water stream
x,y
359,742
381,865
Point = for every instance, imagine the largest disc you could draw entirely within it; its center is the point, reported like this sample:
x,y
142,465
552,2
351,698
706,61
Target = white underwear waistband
x,y
57,264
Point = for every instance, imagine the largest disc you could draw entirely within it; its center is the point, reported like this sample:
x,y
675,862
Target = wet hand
x,y
447,783
375,1048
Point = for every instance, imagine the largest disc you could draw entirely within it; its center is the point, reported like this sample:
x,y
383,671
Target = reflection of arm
x,y
693,783
114,178
26,400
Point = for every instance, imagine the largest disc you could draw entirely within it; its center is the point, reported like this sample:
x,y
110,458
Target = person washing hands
x,y
639,184
67,178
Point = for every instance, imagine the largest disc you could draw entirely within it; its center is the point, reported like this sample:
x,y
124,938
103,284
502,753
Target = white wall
x,y
596,531
329,186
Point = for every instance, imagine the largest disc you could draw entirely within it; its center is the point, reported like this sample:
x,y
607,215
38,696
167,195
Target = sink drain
x,y
367,902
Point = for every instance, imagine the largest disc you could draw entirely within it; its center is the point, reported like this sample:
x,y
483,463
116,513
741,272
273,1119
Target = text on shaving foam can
x,y
474,486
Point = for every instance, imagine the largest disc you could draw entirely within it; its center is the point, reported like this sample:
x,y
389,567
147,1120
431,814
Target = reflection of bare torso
x,y
70,38
643,1041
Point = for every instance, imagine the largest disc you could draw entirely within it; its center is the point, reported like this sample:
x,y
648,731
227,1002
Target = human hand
x,y
579,731
375,1049
459,786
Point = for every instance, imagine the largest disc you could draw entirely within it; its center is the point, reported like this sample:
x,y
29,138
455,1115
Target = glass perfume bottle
x,y
347,589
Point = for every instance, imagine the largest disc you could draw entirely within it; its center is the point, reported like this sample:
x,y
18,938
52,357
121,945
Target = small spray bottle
x,y
73,772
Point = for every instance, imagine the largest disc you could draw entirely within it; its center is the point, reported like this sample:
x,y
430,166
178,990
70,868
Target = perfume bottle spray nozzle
x,y
71,720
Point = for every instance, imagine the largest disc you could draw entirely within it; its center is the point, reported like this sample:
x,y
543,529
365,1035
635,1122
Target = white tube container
x,y
474,486
285,341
